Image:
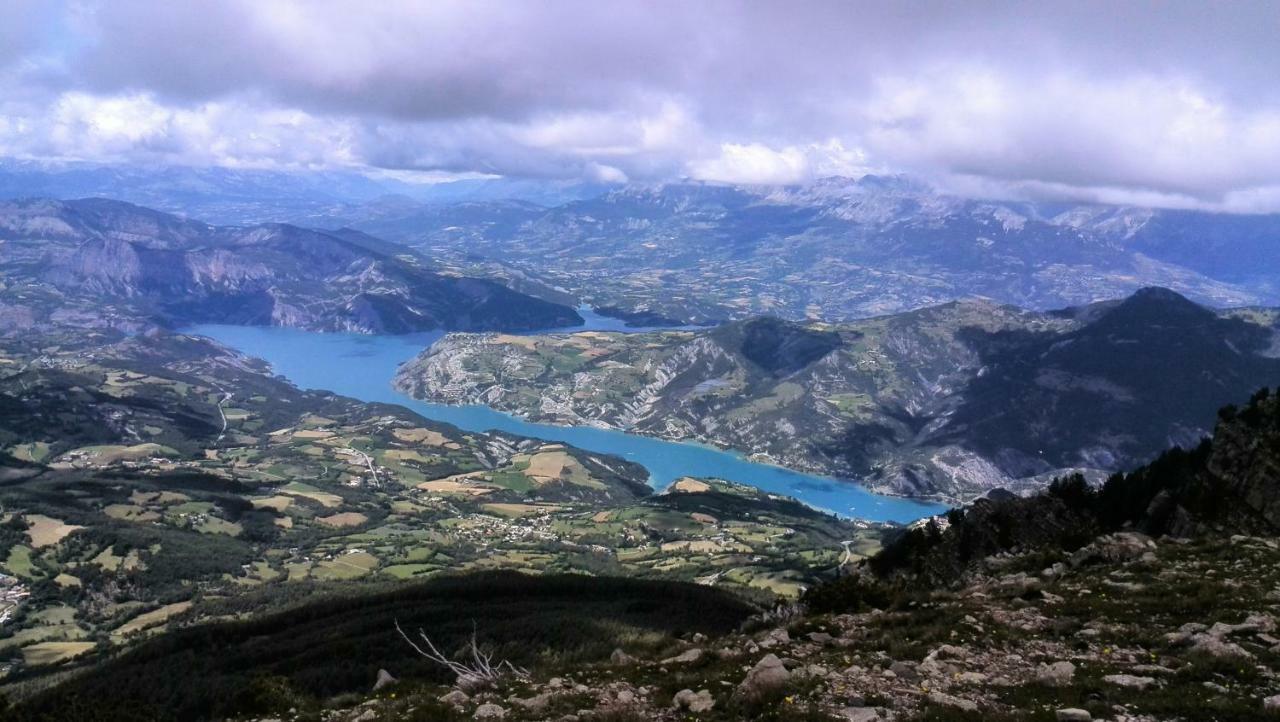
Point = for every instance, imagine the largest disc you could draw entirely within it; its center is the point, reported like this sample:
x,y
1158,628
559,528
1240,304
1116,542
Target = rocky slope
x,y
948,402
1042,620
99,258
1097,641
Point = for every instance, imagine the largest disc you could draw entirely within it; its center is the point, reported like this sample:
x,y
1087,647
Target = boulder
x,y
1058,674
689,656
384,679
471,684
489,710
1073,714
946,700
536,704
695,702
620,658
1130,681
769,675
1119,547
774,638
1215,646
456,698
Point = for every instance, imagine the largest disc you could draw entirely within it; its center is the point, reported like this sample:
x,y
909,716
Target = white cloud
x,y
138,127
1082,99
755,163
1156,135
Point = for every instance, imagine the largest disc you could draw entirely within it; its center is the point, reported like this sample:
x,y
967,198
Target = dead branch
x,y
481,668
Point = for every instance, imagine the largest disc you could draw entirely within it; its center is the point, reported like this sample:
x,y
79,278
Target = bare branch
x,y
480,669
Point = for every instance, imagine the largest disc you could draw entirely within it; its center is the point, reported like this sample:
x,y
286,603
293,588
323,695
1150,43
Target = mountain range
x,y
247,196
836,249
948,401
108,263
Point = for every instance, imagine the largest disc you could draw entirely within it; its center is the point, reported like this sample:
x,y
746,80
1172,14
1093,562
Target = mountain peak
x,y
1154,304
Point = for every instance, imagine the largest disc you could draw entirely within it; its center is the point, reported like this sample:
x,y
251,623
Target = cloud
x,y
757,164
1175,103
1155,134
136,127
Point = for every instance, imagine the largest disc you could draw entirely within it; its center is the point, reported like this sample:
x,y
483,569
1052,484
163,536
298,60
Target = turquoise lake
x,y
362,366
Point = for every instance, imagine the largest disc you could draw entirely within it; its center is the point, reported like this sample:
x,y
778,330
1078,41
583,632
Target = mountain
x,y
251,196
839,249
948,401
109,259
1226,485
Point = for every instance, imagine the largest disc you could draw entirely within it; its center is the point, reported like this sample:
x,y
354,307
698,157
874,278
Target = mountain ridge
x,y
948,401
158,267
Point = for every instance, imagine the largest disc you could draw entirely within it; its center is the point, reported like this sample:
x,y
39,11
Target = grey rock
x,y
774,638
905,670
1215,646
696,702
489,710
1130,681
457,698
689,656
768,675
384,679
1058,674
1118,547
620,658
1271,704
1073,714
946,700
859,714
472,684
536,704
948,651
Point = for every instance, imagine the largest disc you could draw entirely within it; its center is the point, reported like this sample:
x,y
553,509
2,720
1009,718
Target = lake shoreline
x,y
362,366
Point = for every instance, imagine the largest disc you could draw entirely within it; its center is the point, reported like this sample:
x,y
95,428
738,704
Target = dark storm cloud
x,y
1174,101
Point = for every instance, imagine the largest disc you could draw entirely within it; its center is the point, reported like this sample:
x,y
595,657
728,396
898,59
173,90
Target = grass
x,y
20,562
47,531
150,619
46,653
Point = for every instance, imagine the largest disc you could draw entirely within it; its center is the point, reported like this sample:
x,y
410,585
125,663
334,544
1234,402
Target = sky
x,y
1173,104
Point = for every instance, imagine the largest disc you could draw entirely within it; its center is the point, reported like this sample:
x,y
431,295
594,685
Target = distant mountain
x,y
840,249
124,266
249,196
948,401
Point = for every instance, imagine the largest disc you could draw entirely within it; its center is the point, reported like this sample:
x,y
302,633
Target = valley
x,y
835,249
639,362
127,506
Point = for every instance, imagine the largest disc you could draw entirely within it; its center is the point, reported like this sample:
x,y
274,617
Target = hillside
x,y
947,402
162,480
1153,599
105,263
